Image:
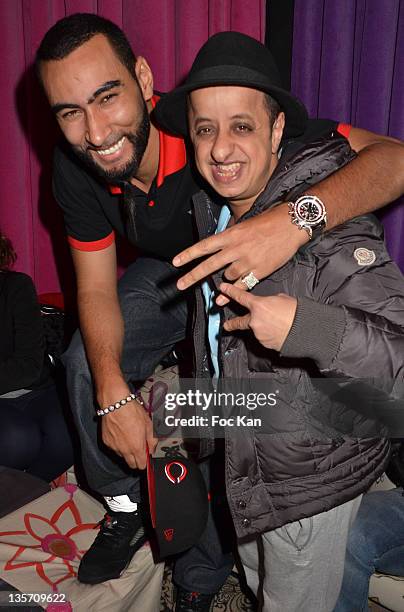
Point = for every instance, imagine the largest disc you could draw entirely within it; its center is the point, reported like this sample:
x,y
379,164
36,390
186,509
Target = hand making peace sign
x,y
269,318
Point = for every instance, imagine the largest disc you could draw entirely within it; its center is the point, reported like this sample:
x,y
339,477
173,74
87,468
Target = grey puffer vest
x,y
349,322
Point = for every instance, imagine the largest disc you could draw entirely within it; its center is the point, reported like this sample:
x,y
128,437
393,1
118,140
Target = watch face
x,y
310,210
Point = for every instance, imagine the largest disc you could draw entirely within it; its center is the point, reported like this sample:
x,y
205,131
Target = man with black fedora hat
x,y
231,58
295,479
116,171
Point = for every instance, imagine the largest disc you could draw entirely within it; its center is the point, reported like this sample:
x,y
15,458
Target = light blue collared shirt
x,y
211,309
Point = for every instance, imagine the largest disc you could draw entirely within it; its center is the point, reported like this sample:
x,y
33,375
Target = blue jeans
x,y
155,317
375,543
154,322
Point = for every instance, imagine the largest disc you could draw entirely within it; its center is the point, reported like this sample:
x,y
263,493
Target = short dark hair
x,y
273,107
73,31
7,253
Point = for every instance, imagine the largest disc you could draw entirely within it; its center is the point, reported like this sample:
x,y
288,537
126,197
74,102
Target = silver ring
x,y
250,280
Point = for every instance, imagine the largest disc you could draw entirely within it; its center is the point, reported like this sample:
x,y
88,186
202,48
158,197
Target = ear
x,y
145,78
277,132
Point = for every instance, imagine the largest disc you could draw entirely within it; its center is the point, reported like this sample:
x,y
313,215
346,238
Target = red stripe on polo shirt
x,y
114,189
344,129
172,156
94,245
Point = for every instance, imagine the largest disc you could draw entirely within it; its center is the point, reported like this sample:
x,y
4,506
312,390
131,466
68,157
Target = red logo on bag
x,y
168,534
171,477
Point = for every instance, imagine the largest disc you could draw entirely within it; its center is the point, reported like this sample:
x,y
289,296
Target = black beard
x,y
139,139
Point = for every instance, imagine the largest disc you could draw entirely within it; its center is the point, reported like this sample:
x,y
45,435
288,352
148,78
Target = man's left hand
x,y
260,245
269,318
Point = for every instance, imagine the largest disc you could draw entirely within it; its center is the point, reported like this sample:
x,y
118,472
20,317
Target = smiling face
x,y
235,146
101,108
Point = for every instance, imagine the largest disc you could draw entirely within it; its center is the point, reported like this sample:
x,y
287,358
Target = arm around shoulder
x,y
372,180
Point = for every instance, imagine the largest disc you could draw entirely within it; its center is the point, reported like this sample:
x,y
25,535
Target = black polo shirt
x,y
93,211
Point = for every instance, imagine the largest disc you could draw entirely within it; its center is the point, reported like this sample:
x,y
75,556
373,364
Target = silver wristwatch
x,y
309,213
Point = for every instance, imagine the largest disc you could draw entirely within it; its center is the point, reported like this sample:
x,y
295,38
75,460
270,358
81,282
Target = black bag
x,y
54,331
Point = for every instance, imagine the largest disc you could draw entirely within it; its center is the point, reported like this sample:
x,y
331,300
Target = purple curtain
x,y
167,32
348,64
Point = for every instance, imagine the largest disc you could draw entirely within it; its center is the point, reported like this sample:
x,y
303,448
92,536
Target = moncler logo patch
x,y
364,257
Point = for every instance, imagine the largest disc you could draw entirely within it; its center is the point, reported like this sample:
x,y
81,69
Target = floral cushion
x,y
41,545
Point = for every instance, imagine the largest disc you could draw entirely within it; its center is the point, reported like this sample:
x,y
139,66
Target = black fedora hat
x,y
231,58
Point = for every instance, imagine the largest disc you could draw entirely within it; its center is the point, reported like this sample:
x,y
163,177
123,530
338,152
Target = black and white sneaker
x,y
120,537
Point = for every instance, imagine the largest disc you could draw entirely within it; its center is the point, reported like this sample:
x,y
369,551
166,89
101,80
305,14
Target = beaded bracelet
x,y
103,411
